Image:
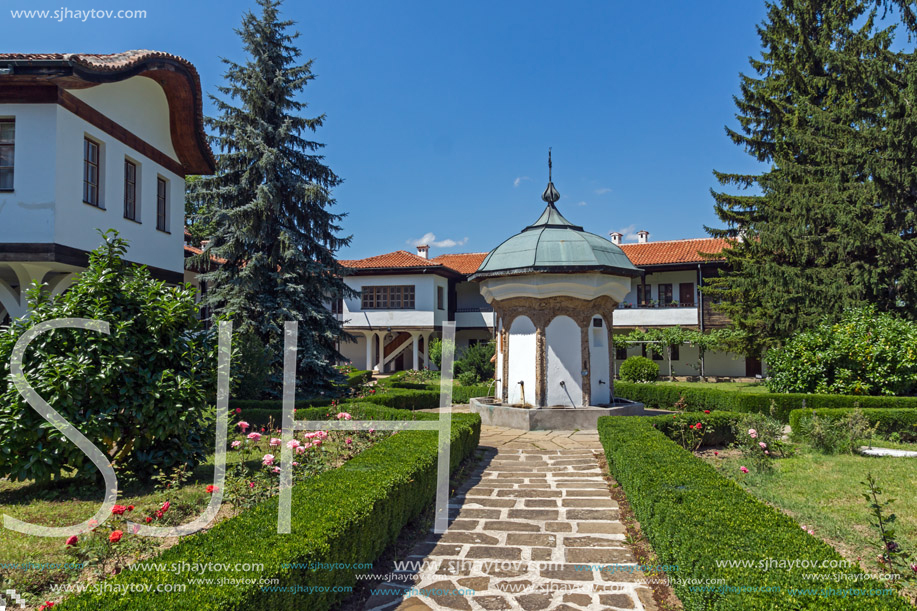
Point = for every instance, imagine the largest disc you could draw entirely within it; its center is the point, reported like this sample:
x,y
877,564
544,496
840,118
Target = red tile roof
x,y
674,251
399,258
464,263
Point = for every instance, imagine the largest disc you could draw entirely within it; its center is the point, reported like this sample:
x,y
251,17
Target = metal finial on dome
x,y
550,194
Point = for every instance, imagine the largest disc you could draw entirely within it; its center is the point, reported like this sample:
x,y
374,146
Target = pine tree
x,y
829,224
271,195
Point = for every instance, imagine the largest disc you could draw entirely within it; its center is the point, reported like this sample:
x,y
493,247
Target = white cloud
x,y
582,204
429,239
602,191
519,180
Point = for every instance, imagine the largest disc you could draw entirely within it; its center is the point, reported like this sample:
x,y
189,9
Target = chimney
x,y
423,251
643,236
616,237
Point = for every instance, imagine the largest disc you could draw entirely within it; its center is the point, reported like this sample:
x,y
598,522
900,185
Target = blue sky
x,y
439,115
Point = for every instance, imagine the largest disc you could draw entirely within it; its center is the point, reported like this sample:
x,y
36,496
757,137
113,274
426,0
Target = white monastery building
x,y
89,143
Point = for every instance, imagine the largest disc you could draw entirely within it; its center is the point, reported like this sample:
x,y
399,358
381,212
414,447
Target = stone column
x,y
541,367
415,336
587,362
369,349
380,365
426,348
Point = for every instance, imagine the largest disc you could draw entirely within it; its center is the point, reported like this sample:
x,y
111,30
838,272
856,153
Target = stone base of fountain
x,y
528,418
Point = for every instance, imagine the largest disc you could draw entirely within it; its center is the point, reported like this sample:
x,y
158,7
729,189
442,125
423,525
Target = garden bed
x,y
713,529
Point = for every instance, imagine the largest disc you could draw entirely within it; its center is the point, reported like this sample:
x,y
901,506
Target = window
x,y
7,145
620,354
337,306
675,355
440,298
644,294
388,298
91,194
130,190
665,294
162,204
686,293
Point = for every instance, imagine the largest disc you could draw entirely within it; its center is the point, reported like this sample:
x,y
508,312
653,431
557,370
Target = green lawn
x,y
753,387
825,493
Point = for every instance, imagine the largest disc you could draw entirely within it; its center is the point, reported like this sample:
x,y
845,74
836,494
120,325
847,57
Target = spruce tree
x,y
829,224
272,228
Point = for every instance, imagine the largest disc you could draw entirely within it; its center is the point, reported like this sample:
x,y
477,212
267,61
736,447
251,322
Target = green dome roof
x,y
554,244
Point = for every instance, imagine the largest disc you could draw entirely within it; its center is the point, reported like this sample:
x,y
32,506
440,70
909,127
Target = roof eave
x,y
566,269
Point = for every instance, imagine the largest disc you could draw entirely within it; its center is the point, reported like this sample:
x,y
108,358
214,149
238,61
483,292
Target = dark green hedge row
x,y
358,377
718,426
665,396
695,517
348,515
888,421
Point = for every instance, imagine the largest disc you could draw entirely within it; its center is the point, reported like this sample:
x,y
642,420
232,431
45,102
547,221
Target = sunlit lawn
x,y
825,492
754,387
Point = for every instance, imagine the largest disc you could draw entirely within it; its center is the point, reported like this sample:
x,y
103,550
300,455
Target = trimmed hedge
x,y
665,396
347,515
888,421
694,517
718,426
358,377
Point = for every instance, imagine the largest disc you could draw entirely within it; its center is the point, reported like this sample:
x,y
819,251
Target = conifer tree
x,y
271,195
829,224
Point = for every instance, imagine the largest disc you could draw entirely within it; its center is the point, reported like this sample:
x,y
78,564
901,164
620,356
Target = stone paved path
x,y
528,531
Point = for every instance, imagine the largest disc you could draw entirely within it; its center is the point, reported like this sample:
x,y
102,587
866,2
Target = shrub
x,y
251,367
718,427
711,528
778,405
760,439
474,364
835,436
864,353
142,394
344,517
639,369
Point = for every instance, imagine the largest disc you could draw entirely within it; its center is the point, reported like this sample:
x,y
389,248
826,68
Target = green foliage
x,y
760,439
718,427
863,353
900,423
779,405
198,212
639,369
270,199
347,516
699,520
829,223
251,369
835,436
474,363
141,394
436,352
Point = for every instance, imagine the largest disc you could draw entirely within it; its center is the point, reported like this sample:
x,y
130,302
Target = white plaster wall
x,y
27,213
440,316
355,352
522,360
423,314
468,295
138,104
586,286
76,223
648,317
462,337
600,394
498,387
564,348
720,364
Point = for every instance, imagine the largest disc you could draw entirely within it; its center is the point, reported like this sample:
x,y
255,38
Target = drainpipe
x,y
700,298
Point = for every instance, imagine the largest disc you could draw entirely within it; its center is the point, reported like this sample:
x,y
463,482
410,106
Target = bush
x,y
718,427
344,517
142,394
474,364
778,405
760,439
835,435
864,353
898,423
251,367
639,369
711,528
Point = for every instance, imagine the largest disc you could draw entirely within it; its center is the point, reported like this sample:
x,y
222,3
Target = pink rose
x,y
242,424
344,416
72,540
371,431
293,444
743,469
276,469
753,433
236,444
254,436
251,484
268,460
274,442
348,441
317,442
763,445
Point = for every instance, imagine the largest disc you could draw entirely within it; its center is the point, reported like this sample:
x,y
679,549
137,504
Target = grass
x,y
825,493
751,387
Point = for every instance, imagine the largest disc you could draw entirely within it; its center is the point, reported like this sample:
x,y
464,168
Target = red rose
x,y
130,507
149,519
158,514
211,489
699,425
706,411
165,507
118,510
238,410
72,540
115,536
